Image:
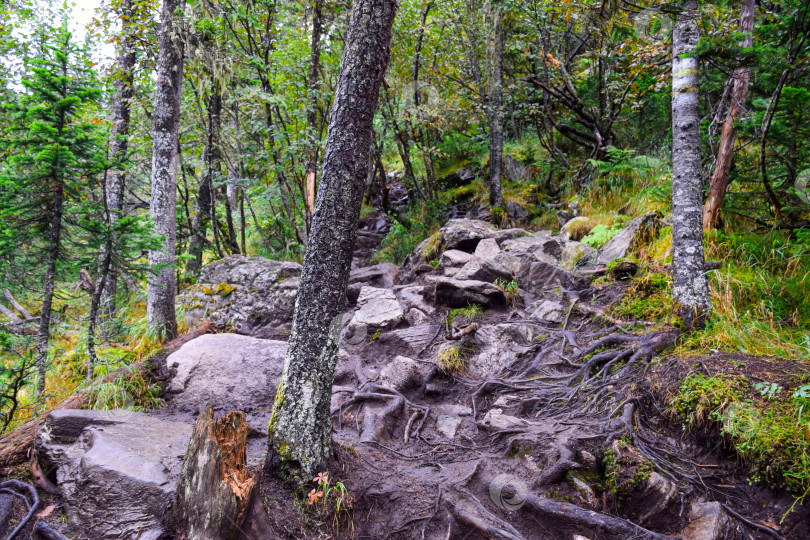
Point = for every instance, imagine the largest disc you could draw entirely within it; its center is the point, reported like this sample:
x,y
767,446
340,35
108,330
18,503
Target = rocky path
x,y
480,393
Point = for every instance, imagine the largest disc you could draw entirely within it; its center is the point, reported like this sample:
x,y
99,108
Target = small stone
x,y
497,421
588,460
448,425
400,373
585,491
709,522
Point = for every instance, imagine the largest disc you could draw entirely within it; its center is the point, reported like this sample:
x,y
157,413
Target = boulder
x,y
639,229
497,346
383,275
515,211
502,235
229,372
709,521
540,246
564,216
549,311
117,471
461,177
377,308
536,277
413,338
413,297
399,373
501,266
486,248
514,169
460,293
576,229
252,295
464,234
453,258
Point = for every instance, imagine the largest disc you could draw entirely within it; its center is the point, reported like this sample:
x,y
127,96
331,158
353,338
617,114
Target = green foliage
x,y
423,221
600,235
452,359
509,288
469,314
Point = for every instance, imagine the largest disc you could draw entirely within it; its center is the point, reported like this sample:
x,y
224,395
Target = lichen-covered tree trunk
x,y
119,145
494,61
161,285
301,428
725,153
690,287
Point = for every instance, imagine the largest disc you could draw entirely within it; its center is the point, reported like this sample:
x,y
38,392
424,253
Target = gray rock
x,y
230,372
495,420
588,461
416,316
564,216
515,211
497,346
464,234
486,248
377,308
414,297
399,373
708,522
619,245
539,247
576,229
500,266
412,339
576,253
383,275
459,293
536,277
250,294
514,169
502,235
453,258
585,491
658,494
117,471
447,425
549,311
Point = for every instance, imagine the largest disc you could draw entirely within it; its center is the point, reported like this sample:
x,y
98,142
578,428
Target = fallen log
x,y
16,446
215,485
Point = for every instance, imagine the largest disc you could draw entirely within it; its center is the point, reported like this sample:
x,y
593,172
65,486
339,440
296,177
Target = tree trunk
x,y
161,285
16,305
312,110
300,429
690,287
119,145
44,332
214,486
494,54
725,153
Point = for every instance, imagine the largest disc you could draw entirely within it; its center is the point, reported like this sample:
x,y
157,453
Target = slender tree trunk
x,y
312,110
44,333
300,429
725,153
494,55
120,144
690,287
161,285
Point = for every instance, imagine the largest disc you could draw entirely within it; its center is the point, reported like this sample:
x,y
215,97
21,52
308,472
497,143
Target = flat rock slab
x,y
116,470
460,293
230,372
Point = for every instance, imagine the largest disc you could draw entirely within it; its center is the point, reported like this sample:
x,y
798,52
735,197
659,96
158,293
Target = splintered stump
x,y
214,486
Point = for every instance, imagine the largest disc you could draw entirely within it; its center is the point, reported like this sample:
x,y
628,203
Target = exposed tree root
x,y
28,494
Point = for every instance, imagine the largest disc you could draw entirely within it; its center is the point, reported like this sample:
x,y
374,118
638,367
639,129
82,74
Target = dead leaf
x,y
47,512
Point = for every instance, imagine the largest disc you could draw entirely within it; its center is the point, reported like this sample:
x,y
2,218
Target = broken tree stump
x,y
215,485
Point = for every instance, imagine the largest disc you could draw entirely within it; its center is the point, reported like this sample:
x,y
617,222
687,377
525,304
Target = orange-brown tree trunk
x,y
712,218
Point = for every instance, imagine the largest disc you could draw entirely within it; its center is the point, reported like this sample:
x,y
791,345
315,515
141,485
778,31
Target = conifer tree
x,y
53,150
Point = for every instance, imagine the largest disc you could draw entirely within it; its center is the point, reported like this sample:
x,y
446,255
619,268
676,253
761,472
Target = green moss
x,y
224,289
469,313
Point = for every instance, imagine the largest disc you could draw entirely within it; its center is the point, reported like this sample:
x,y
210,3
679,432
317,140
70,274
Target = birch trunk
x,y
494,59
119,146
161,285
300,429
690,287
725,154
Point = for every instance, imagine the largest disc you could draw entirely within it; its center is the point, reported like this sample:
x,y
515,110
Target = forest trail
x,y
461,409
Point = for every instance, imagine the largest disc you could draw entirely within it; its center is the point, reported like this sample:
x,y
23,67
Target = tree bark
x,y
690,287
44,332
725,153
214,486
312,110
16,305
494,58
300,428
119,145
161,285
